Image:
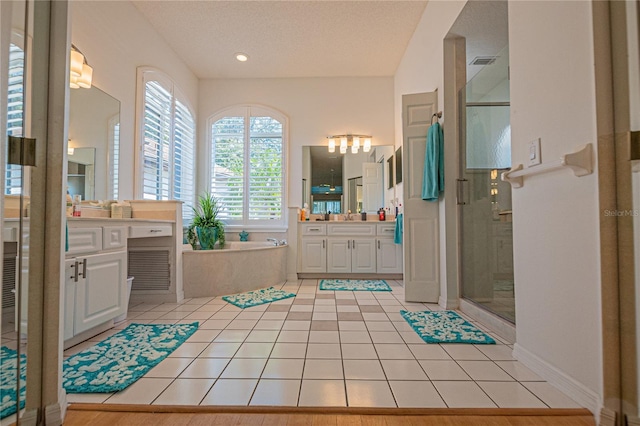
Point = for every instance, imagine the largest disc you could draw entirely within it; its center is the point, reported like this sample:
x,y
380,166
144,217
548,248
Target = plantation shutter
x,y
114,156
265,173
15,114
184,142
227,159
157,133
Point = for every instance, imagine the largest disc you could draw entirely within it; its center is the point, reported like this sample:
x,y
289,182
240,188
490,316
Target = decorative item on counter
x,y
208,227
244,236
69,204
305,211
363,216
120,211
381,215
76,205
327,216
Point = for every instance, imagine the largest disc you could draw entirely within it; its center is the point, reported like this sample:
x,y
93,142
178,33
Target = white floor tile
x,y
230,392
375,316
391,351
224,315
269,325
348,308
496,352
323,369
283,369
199,316
203,336
428,351
276,392
324,309
324,351
244,368
293,336
201,368
254,350
185,392
416,394
355,336
301,308
249,316
323,393
403,369
215,324
386,337
239,324
395,316
324,316
358,351
485,370
296,325
221,350
89,398
380,326
169,367
365,393
324,337
262,336
363,369
460,351
170,316
144,391
274,315
511,395
519,372
443,370
189,350
232,336
352,326
550,395
289,350
463,395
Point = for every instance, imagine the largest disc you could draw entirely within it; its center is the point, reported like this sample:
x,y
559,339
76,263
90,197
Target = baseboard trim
x,y
608,417
448,303
501,327
332,410
29,417
574,389
292,277
632,421
54,413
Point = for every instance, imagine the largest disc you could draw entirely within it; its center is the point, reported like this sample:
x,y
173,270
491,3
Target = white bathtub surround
x,y
239,267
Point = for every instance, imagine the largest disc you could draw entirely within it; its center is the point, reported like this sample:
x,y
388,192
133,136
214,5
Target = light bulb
x,y
84,80
332,145
77,59
367,145
356,142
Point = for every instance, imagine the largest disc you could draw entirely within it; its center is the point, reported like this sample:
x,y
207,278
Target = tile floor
x,y
323,348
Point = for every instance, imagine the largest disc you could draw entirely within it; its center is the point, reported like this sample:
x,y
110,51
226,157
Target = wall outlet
x,y
534,153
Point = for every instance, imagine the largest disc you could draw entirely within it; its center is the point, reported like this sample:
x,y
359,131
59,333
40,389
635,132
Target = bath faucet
x,y
273,240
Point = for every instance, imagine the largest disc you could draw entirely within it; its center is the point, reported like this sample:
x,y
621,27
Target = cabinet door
x,y
313,255
363,255
69,297
338,255
389,257
101,292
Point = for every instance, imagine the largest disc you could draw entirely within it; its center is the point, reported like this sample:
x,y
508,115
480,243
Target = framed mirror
x,y
94,131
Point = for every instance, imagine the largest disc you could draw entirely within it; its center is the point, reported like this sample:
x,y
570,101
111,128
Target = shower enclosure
x,y
486,242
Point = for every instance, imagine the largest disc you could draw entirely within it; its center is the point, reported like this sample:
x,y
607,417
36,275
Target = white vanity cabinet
x,y
389,254
313,248
351,248
95,277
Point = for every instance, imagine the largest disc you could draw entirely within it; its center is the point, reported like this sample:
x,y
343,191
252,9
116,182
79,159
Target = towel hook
x,y
438,116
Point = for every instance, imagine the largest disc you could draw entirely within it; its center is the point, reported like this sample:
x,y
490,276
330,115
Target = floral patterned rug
x,y
444,327
257,297
8,380
118,361
355,285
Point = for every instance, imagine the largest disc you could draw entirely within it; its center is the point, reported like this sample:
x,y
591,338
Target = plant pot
x,y
207,237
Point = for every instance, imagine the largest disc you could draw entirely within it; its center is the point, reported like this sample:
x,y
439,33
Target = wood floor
x,y
90,414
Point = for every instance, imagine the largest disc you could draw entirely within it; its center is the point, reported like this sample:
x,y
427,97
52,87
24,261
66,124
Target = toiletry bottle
x,y
381,215
306,211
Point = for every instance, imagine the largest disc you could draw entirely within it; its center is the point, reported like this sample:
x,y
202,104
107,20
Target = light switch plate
x,y
534,153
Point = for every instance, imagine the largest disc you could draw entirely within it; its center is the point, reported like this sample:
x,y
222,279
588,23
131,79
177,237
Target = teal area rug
x,y
444,327
257,297
8,380
355,285
118,361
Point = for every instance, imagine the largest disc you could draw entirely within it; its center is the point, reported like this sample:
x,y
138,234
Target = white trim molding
x,y
571,387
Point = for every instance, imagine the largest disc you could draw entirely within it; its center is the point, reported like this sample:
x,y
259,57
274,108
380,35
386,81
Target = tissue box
x,y
92,211
120,211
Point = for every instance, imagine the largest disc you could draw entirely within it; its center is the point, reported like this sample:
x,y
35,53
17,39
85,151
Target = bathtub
x,y
239,267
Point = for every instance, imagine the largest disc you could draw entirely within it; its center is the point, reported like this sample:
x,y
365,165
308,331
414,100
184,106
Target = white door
x,y
389,257
101,289
421,247
338,255
363,255
70,281
313,255
372,188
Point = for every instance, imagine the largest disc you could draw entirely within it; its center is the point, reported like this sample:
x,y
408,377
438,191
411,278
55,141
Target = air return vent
x,y
150,269
483,60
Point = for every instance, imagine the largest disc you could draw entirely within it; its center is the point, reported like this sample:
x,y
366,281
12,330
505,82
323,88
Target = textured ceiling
x,y
286,38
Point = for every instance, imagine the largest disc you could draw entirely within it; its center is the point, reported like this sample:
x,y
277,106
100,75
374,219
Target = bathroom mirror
x,y
340,182
94,130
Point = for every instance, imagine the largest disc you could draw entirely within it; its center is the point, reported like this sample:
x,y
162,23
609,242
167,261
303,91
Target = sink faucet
x,y
273,240
348,215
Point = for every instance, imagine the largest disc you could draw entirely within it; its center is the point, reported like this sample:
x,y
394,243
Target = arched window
x,y
167,143
248,166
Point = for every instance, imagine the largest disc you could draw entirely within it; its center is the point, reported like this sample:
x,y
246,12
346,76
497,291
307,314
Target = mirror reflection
x,y
336,183
94,133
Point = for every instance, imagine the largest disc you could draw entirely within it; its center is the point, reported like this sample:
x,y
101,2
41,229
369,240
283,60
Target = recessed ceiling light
x,y
242,57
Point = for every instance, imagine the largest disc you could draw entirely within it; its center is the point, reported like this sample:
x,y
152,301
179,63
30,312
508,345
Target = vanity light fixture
x,y
242,57
81,74
353,141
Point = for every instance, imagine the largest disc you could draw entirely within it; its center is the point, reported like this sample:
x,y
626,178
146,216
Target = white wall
x,y
315,107
555,215
116,39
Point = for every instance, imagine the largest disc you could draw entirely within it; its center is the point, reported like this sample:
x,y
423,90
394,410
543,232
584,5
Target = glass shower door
x,y
485,201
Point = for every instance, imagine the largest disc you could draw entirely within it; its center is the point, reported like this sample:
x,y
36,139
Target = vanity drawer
x,y
114,237
364,229
314,229
84,240
145,231
387,229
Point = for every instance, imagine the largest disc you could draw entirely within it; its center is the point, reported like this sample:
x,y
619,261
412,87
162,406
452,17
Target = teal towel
x,y
397,236
433,179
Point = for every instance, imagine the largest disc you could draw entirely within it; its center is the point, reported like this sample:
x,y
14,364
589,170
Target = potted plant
x,y
206,224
